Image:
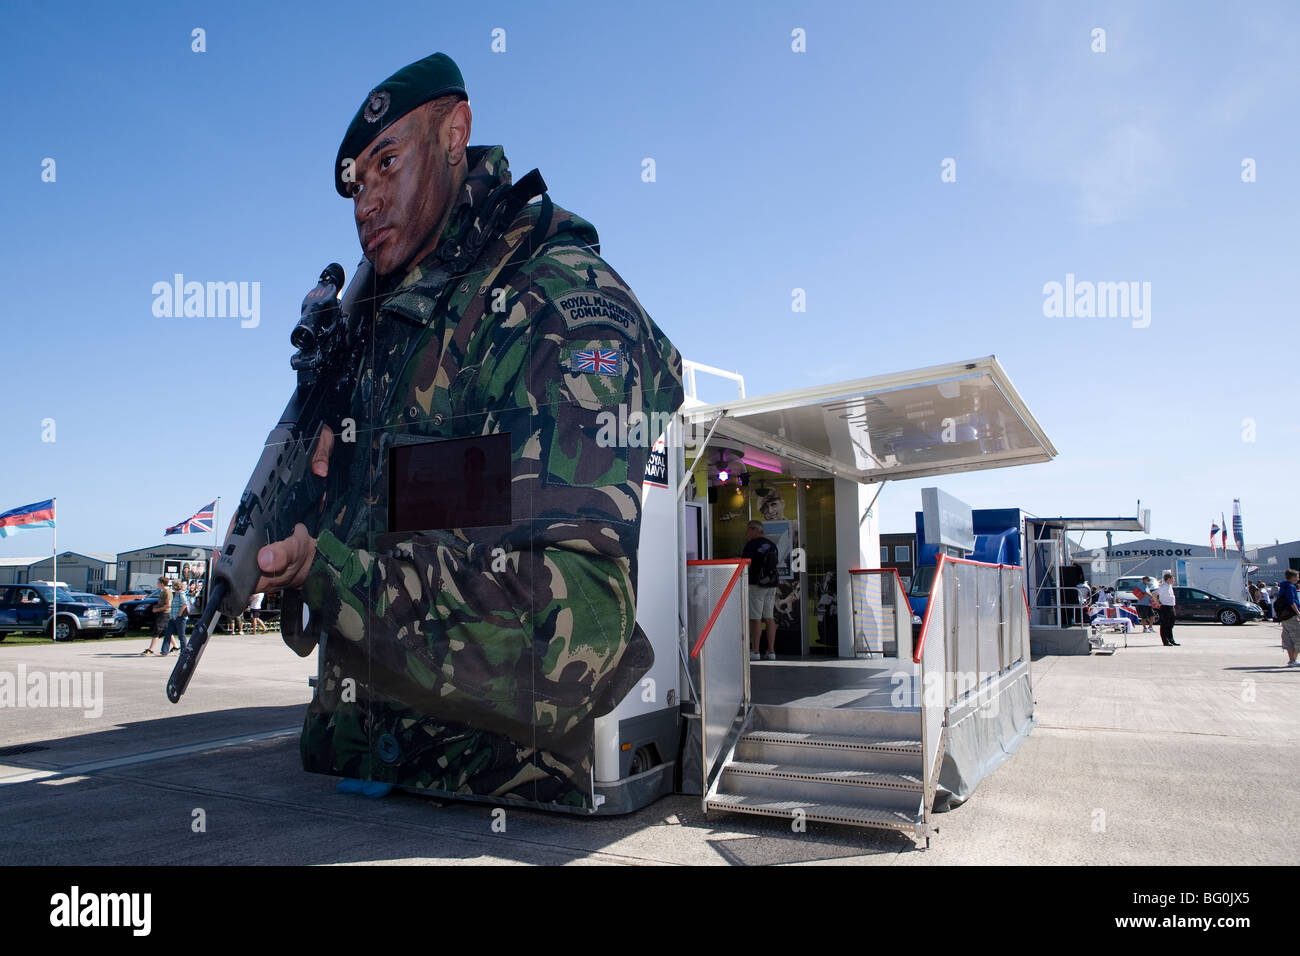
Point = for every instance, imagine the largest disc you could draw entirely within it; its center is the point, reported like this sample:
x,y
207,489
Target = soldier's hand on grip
x,y
284,564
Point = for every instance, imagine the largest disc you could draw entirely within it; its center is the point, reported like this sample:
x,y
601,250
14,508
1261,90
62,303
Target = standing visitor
x,y
1144,609
161,609
1164,602
1288,612
763,579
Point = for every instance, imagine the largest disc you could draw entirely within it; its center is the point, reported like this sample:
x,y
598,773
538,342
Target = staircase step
x,y
892,744
864,778
830,753
808,785
820,812
840,721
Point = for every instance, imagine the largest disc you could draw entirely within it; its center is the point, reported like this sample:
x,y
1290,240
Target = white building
x,y
1150,556
143,566
14,570
1273,560
81,570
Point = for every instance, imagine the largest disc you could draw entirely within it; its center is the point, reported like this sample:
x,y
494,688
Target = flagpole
x,y
216,523
54,527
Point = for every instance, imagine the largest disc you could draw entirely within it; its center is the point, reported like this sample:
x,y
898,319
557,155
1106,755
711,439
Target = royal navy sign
x,y
656,469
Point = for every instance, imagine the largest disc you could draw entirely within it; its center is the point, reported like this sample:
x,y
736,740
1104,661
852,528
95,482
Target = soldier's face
x,y
401,192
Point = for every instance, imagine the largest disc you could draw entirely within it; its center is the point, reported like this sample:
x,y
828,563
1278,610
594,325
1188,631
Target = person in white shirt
x,y
1265,599
255,612
1164,600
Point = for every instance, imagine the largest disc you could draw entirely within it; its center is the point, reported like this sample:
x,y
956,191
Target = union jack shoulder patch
x,y
596,362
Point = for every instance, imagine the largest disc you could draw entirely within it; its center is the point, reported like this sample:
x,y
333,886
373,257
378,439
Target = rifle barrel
x,y
188,658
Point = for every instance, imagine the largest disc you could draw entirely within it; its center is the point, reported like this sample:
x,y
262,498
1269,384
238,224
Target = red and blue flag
x,y
200,522
38,515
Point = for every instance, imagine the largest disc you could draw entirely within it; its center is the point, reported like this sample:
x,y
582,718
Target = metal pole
x,y
690,475
54,590
863,519
216,523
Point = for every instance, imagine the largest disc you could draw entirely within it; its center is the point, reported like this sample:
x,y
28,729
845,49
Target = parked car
x,y
117,598
120,619
139,611
1193,604
1124,587
27,608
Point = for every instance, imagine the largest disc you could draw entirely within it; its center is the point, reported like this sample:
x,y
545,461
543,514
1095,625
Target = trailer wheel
x,y
644,758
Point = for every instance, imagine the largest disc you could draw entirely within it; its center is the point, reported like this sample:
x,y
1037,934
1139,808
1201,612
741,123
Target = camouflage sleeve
x,y
529,631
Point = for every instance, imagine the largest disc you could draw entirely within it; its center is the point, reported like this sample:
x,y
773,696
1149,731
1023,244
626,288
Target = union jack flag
x,y
202,521
600,361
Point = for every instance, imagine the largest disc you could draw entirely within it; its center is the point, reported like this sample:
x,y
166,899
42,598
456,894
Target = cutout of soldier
x,y
478,656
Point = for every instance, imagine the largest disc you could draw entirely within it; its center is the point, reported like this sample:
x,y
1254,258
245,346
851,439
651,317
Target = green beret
x,y
411,86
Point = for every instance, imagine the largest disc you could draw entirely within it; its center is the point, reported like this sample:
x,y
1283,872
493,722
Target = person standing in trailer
x,y
763,579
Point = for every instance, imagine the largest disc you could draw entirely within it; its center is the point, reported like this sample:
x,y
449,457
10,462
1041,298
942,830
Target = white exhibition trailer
x,y
873,735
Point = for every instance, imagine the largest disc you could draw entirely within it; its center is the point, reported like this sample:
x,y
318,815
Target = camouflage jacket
x,y
527,629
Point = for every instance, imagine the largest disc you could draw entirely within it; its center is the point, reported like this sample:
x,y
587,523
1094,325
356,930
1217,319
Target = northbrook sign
x,y
1148,552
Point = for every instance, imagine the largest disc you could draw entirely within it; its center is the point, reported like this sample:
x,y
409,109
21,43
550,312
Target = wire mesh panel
x,y
717,595
880,612
1017,615
976,628
1045,558
931,654
903,615
963,648
988,581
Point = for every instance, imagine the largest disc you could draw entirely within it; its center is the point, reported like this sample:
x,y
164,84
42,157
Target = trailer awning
x,y
1092,524
966,416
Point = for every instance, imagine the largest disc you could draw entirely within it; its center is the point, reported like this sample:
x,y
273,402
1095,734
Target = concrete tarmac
x,y
1155,755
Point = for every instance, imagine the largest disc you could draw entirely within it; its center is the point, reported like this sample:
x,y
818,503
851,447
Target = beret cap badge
x,y
376,106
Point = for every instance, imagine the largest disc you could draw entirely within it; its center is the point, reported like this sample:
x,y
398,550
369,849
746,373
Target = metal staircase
x,y
856,767
860,763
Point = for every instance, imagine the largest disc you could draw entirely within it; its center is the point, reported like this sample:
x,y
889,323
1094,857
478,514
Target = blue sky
x,y
775,170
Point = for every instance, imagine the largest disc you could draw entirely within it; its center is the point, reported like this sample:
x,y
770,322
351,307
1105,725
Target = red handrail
x,y
929,606
741,564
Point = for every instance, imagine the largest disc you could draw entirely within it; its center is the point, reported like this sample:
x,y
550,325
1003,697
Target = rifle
x,y
283,491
